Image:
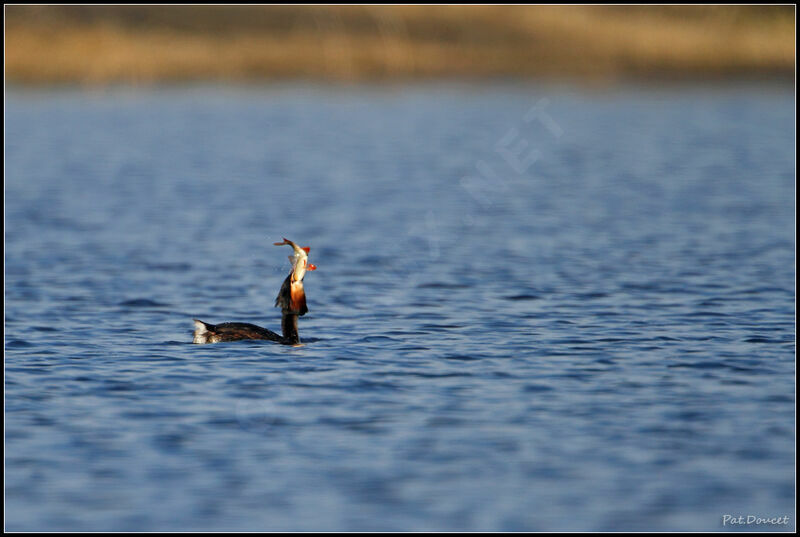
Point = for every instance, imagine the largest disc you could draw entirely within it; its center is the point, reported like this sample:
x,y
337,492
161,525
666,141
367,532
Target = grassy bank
x,y
145,44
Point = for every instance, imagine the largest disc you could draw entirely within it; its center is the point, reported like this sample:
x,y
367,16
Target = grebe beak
x,y
311,267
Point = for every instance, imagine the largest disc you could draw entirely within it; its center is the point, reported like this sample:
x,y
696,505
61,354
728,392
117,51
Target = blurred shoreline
x,y
99,45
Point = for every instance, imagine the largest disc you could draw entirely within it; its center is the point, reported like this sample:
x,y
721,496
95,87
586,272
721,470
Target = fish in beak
x,y
292,297
299,259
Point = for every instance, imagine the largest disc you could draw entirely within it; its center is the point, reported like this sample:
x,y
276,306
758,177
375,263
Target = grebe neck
x,y
289,328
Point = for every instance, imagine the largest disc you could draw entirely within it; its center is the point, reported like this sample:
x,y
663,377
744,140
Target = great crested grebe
x,y
291,299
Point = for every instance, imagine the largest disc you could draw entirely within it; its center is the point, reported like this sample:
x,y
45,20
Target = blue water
x,y
536,308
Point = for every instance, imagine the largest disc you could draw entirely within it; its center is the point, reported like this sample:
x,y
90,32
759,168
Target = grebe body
x,y
291,299
214,333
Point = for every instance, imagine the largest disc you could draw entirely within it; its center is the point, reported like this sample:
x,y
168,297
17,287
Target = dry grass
x,y
143,44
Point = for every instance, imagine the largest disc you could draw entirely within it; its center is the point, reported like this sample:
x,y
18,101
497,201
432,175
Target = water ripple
x,y
503,359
